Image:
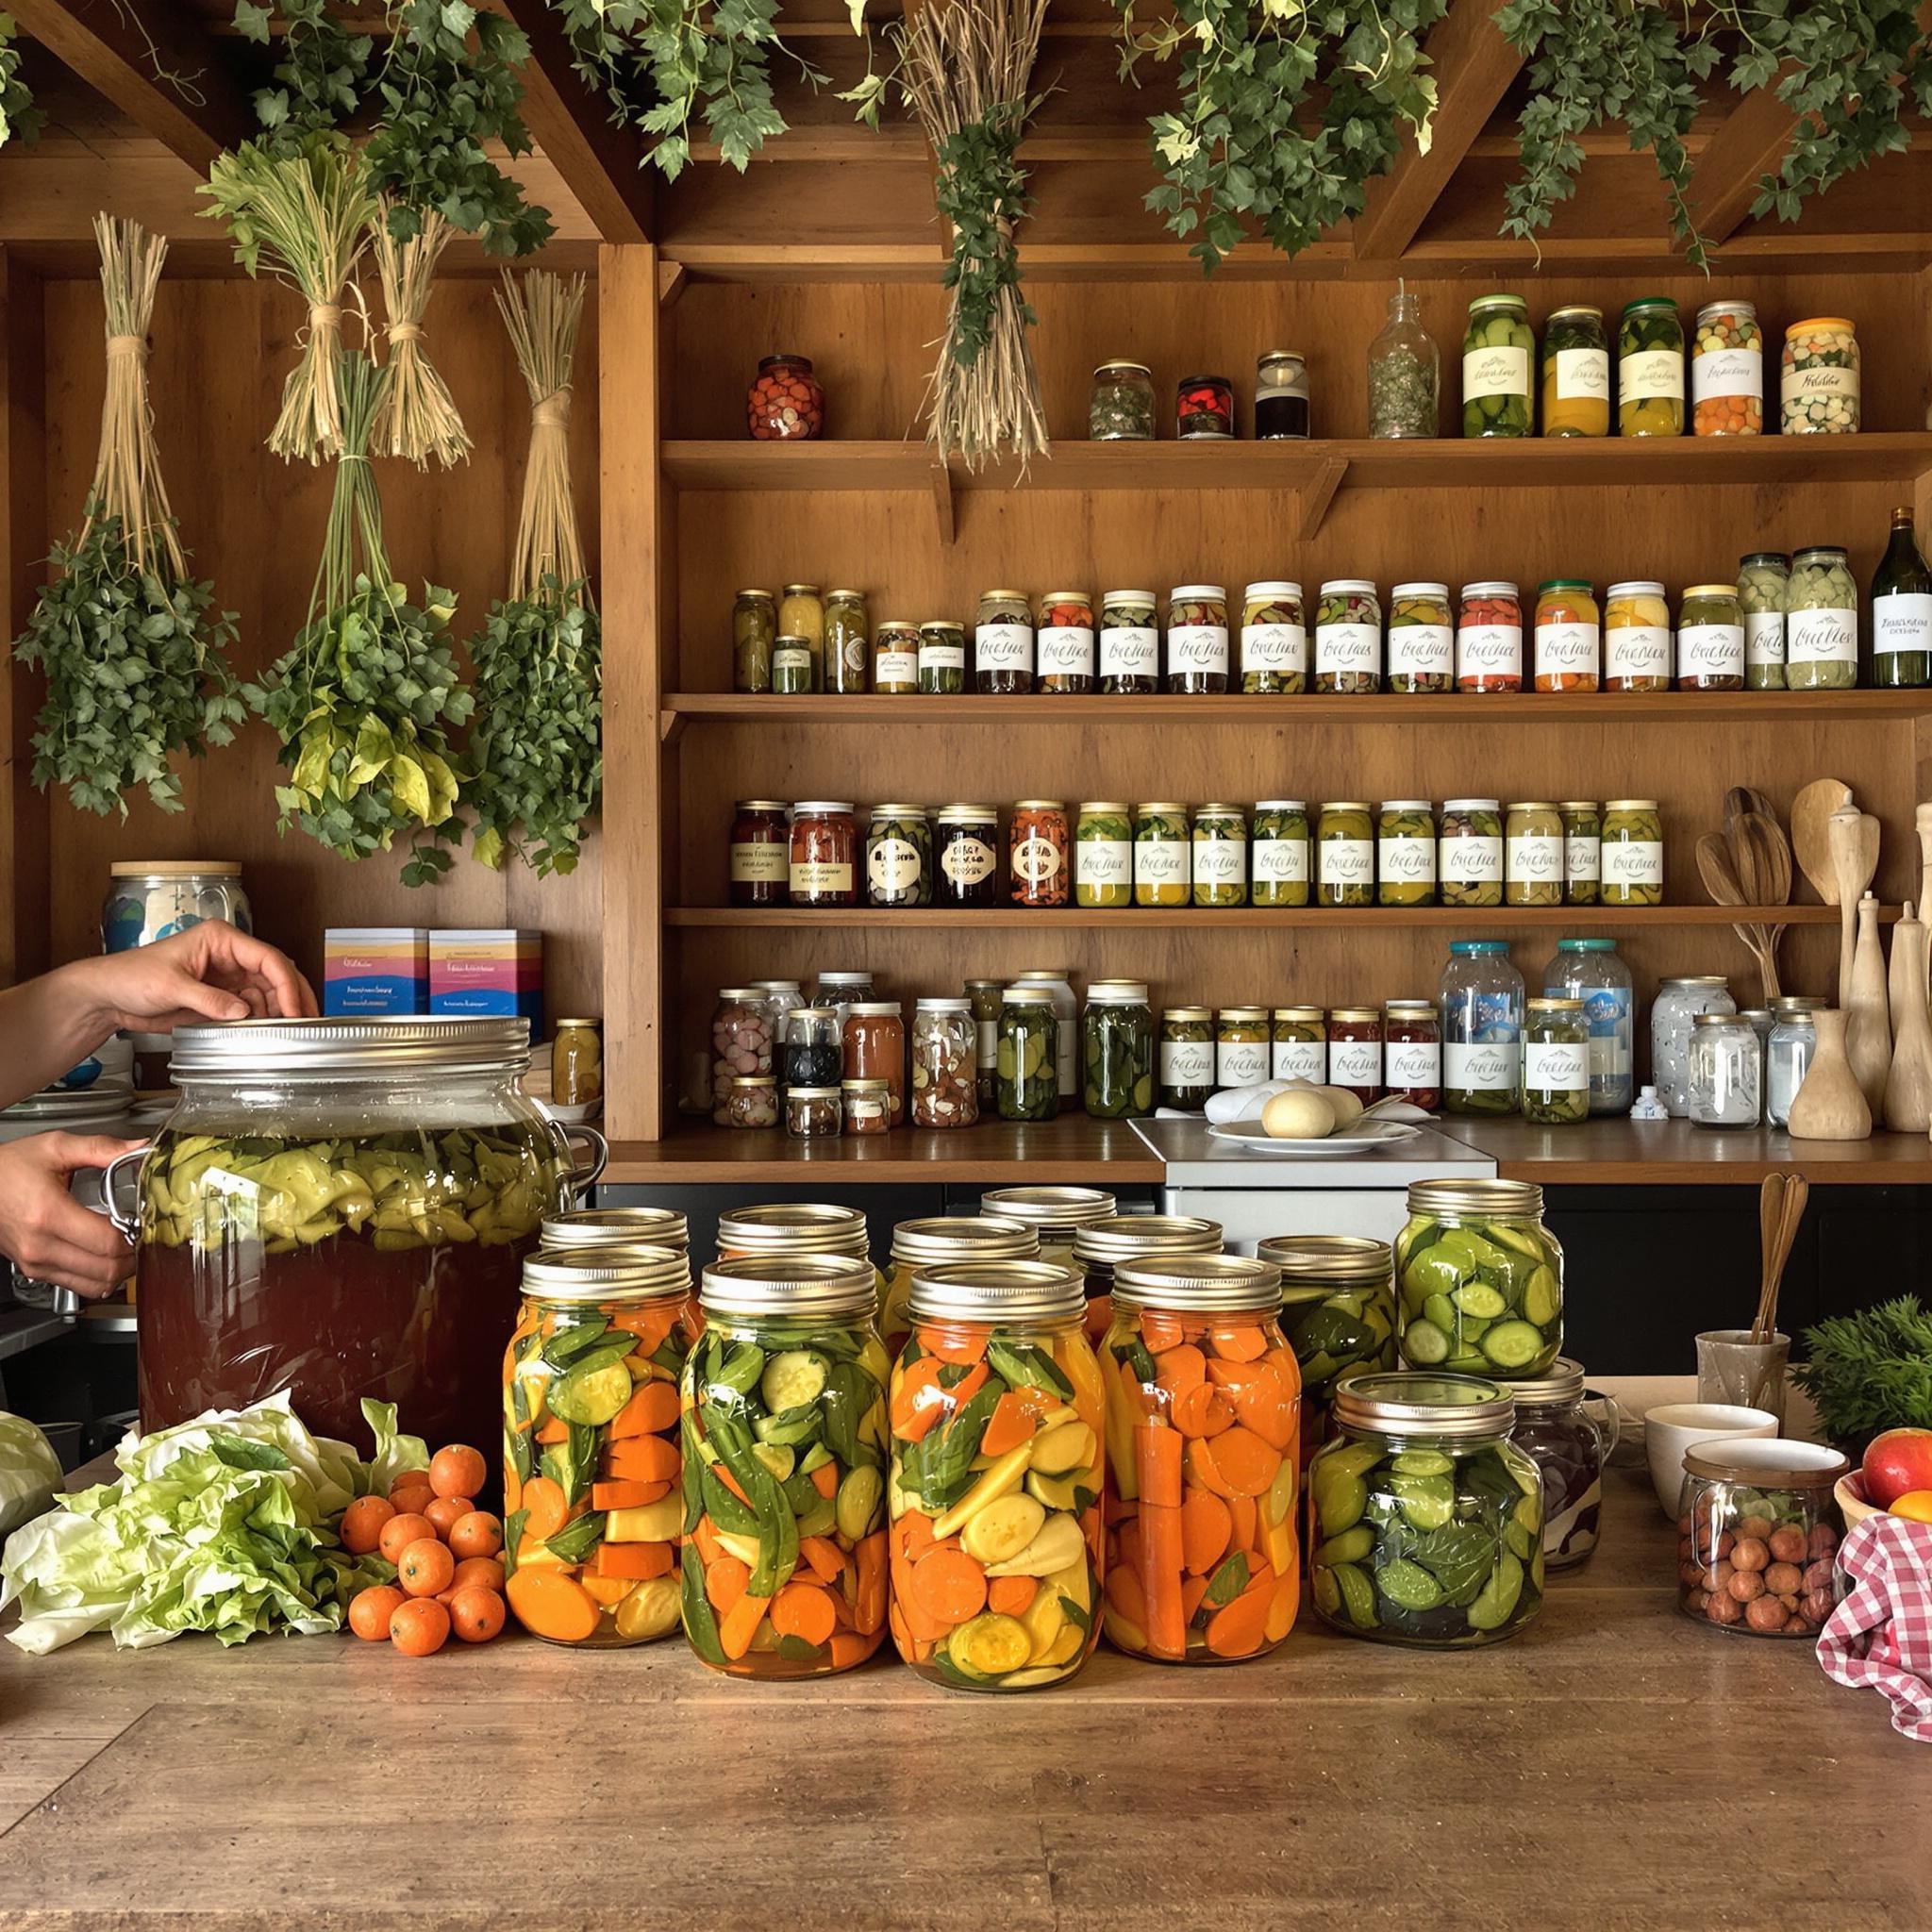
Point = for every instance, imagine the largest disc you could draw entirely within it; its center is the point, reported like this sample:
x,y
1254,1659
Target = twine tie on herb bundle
x,y
419,417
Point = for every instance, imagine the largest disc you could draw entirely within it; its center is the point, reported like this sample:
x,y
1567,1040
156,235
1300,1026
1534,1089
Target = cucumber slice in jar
x,y
1341,1496
1351,1546
1422,1462
1358,1596
591,1395
1513,1344
742,1368
1408,1585
1513,1238
1427,1501
1540,1301
1440,1309
1424,1344
1479,1299
1497,1598
792,1380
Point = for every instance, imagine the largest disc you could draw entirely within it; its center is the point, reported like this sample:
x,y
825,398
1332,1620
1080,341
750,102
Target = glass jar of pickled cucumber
x,y
1066,1015
1555,1062
1188,1579
942,657
1348,638
1274,638
898,857
1533,853
946,1084
1818,378
1568,636
1469,852
1219,856
1576,373
794,669
1422,645
996,1573
1163,868
1405,852
1102,1245
1727,371
1300,1046
1027,1087
1637,638
1488,637
940,1241
1120,404
1710,640
1003,645
1763,578
1821,622
1056,1215
1583,830
984,997
784,1393
1187,1056
1278,858
1344,853
754,632
1426,1522
1103,853
1650,369
1633,853
1129,644
848,641
1036,852
1197,640
1498,346
1481,998
1338,1314
1479,1279
966,869
895,658
1117,1051
1242,1046
1064,645
802,615
1354,1052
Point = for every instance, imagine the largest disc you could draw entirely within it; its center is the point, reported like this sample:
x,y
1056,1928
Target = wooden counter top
x,y
1616,1766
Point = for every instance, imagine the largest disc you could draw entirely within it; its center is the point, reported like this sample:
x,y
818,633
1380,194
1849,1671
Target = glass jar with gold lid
x,y
929,1240
1338,1294
1056,1214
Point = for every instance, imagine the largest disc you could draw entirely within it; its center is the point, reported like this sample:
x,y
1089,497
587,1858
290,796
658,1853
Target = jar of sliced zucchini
x,y
1479,1279
1279,861
1219,856
1338,1312
1118,1050
1027,1083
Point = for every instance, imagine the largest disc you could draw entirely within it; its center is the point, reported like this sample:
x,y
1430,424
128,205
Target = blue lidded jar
x,y
1481,998
1589,971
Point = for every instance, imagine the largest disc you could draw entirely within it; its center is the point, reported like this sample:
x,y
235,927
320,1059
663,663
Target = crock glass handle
x,y
127,1222
584,1174
1606,1423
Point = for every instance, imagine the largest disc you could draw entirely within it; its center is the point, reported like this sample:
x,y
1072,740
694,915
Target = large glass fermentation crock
x,y
343,1208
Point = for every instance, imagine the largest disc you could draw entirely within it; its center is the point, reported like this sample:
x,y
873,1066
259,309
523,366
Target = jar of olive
x,y
1348,638
1129,644
1103,855
1027,1086
985,995
848,641
1003,645
1220,855
1533,855
1555,1063
1710,640
1821,622
794,669
1118,1050
1197,640
1242,1046
1300,1046
1187,1056
754,632
1762,580
1278,862
942,657
1344,854
1633,853
1405,852
1274,638
895,658
1163,874
898,857
1469,852
1582,850
1421,640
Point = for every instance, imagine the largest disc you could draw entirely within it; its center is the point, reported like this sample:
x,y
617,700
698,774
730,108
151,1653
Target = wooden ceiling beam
x,y
1473,65
123,48
1748,144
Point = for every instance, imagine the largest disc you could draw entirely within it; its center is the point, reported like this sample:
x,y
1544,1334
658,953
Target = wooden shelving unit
x,y
1472,922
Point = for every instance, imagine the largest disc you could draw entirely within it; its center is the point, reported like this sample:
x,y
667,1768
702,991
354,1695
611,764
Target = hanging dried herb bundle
x,y
363,699
536,747
133,648
419,417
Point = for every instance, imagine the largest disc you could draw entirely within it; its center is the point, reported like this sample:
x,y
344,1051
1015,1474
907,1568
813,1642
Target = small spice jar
x,y
867,1106
874,1049
1120,404
985,994
1241,1046
1187,1056
823,869
1129,644
577,1063
1037,856
1422,645
942,657
966,869
1488,637
1497,346
1569,1443
1003,645
1818,378
1405,852
895,658
1064,645
1650,369
1763,578
1204,408
1633,854
801,618
1278,852
1469,852
1348,638
1555,1062
1412,1052
1821,622
1582,850
1117,1051
898,857
786,402
1576,373
754,632
1637,638
1710,640
1727,1071
1299,1046
813,1113
1567,636
1533,853
1758,1536
1103,853
795,665
814,1054
1197,640
1274,639
1344,853
848,642
1355,1051
1026,1087
1281,396
1727,372
1163,868
1219,852
751,1100
945,1088
760,852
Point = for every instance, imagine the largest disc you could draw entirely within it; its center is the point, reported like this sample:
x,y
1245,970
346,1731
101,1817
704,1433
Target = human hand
x,y
209,971
47,1233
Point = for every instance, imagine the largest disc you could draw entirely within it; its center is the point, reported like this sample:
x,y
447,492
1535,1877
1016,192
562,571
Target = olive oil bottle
x,y
1901,627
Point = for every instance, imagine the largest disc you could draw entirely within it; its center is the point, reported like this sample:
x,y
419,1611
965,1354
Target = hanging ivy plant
x,y
20,120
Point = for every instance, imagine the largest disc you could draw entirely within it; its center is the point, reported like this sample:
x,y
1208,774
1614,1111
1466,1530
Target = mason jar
x,y
1469,852
1727,1071
1003,645
1589,971
898,857
1576,373
1163,866
1637,638
754,631
1583,836
1064,645
1533,853
945,1083
1197,640
1348,638
1570,1441
848,641
1056,1214
1278,859
771,1229
934,1240
966,870
1243,1045
1650,369
1763,578
1412,1052
1633,853
1129,644
1102,1245
1405,852
1117,1051
1819,377
1354,1052
942,657
1299,1046
1555,1062
1787,1054
1672,1013
1488,637
1821,622
1187,1056
1344,853
1758,1536
1498,345
895,657
1066,1015
1481,998
1422,641
1274,638
1710,638
1479,1279
577,1229
1220,854
1338,1312
1103,853
1120,404
1028,1085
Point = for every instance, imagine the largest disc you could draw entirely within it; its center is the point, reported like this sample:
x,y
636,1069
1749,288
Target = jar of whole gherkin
x,y
898,857
1129,644
1278,856
942,657
1421,640
1219,856
1103,853
1821,622
984,997
1187,1056
1064,645
1763,578
1533,855
1555,1063
848,641
1300,1046
895,658
1405,852
1582,850
1027,1086
1274,638
1197,640
1241,1046
1633,853
754,632
1710,640
1003,645
794,666
1469,852
1345,854
1348,637
1163,873
1117,1051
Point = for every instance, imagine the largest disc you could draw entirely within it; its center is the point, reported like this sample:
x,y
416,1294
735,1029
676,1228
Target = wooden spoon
x,y
1720,876
1741,799
1812,812
1797,1191
1772,853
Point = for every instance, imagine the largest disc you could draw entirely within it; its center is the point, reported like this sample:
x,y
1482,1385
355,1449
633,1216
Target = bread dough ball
x,y
1346,1109
1300,1114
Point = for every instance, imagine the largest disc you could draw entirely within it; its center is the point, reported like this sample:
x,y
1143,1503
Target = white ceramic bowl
x,y
1676,1426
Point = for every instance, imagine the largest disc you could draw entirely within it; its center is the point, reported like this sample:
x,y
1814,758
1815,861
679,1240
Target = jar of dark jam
x,y
824,852
760,853
1412,1052
1355,1051
966,857
1281,396
1204,408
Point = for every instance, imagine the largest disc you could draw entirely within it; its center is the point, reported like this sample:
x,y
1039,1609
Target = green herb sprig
x,y
1870,1372
20,120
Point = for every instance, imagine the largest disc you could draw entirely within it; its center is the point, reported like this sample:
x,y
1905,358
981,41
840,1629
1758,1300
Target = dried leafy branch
x,y
20,120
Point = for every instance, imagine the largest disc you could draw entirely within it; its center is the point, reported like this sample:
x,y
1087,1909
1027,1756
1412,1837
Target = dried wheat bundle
x,y
542,313
419,418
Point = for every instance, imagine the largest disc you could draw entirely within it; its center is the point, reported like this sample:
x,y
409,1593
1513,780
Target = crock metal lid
x,y
1563,1381
616,1228
996,1291
1422,1403
1050,1209
607,1274
1123,1237
1766,1462
962,1238
790,1283
1326,1258
1203,1283
779,1227
175,869
1475,1197
317,1049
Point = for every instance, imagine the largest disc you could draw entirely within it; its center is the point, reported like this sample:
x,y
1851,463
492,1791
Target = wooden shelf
x,y
1475,921
1619,1152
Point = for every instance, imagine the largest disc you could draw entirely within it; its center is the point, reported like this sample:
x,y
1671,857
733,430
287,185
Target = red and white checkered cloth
x,y
1881,1634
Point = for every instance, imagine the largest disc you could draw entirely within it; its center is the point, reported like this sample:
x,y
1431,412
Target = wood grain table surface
x,y
1617,1766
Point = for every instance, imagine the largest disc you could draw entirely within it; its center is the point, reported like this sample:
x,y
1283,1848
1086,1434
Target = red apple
x,y
1897,1461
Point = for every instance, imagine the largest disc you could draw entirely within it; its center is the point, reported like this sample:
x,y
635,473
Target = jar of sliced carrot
x,y
998,1457
590,1463
1102,1245
784,1567
1204,1428
934,1239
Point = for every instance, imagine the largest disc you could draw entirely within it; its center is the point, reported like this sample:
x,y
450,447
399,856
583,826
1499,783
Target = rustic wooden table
x,y
1615,1767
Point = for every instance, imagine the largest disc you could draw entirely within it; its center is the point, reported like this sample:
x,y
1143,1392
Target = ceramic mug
x,y
1676,1426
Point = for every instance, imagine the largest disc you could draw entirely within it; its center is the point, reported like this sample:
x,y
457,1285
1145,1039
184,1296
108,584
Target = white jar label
x,y
1714,650
1489,650
1822,637
1495,372
1821,381
791,658
1221,862
1651,372
1240,1062
1066,650
1580,856
1346,862
1355,1063
1281,861
1300,1060
1900,623
1413,1065
1565,650
1104,862
1197,647
1633,862
1555,1066
1583,374
896,666
1406,860
1347,647
947,657
892,866
1036,860
762,863
1130,651
966,861
1274,647
1187,1063
1481,1066
1470,861
1764,637
865,1107
1727,373
1421,650
1161,862
1534,859
1637,650
1003,647
818,878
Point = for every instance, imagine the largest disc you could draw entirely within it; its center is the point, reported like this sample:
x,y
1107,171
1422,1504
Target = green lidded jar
x,y
848,641
1338,1312
1469,852
1026,1085
1555,1062
1299,1046
1405,852
1633,853
1583,831
1118,1050
1498,347
1187,1056
1479,1279
1103,853
1279,861
1821,622
1163,868
1219,856
1344,853
1762,580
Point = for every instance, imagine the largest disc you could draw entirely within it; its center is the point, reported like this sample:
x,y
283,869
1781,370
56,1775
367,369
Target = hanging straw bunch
x,y
538,747
419,417
133,648
964,69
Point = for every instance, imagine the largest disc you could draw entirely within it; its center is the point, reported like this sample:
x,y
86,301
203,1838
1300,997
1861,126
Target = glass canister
x,y
867,1106
967,862
996,1569
1818,378
898,857
749,1101
1632,852
1338,1315
1204,408
1758,1535
941,1240
942,657
1197,640
1637,638
771,1229
1348,638
1727,1071
1027,1087
1589,971
1488,637
1422,645
1117,1051
1677,1004
1710,640
1576,373
1568,636
741,1038
1056,1215
1003,645
1412,1052
784,1393
760,852
1787,1054
1064,645
780,998
1650,369
1204,1429
848,641
814,1054
838,989
1568,1432
1405,852
1727,371
1037,854
149,899
1281,396
1763,578
1555,1062
1481,999
1187,1056
1298,1047
1497,348
1582,832
1533,853
874,1049
1278,852
945,1088
985,995
1354,1052
1479,1279
1101,1245
802,618
895,657
1103,853
1424,1521
1274,638
1219,856
823,864
1469,852
787,402
1242,1046
1163,864
1129,644
1120,404
591,1469
1405,374
754,632
1344,853
1821,622
814,1113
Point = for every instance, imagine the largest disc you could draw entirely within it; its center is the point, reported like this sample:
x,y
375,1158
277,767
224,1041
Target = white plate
x,y
1363,1139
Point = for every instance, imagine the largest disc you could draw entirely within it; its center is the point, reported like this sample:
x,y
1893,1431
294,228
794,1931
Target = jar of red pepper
x,y
785,404
825,853
1412,1052
1036,852
1204,408
1355,1051
1488,637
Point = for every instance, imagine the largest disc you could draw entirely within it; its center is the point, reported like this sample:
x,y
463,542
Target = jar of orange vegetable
x,y
1203,1422
590,1463
1568,636
783,1481
998,1450
1727,372
936,1240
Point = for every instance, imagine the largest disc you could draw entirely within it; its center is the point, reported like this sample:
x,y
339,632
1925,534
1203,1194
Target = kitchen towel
x,y
1881,1635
